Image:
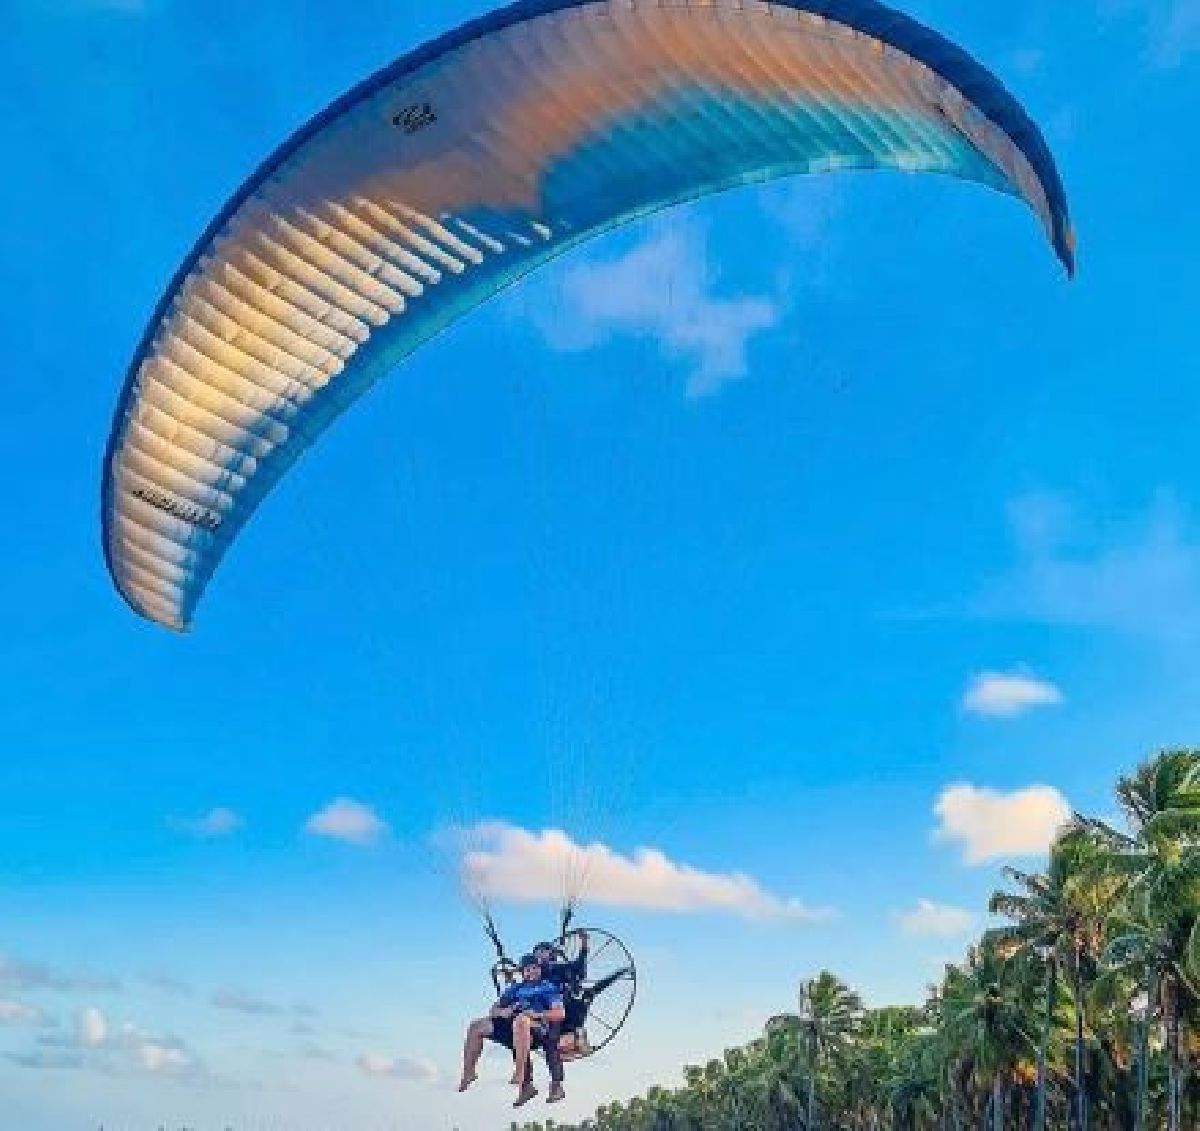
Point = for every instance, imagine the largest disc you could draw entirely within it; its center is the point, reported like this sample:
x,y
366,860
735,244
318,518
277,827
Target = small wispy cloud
x,y
418,1071
166,984
1007,695
935,920
1140,578
21,1013
213,825
18,975
165,1057
1028,60
1178,35
236,1000
804,209
132,7
92,1027
514,864
59,1060
347,820
98,1044
1171,27
992,825
664,289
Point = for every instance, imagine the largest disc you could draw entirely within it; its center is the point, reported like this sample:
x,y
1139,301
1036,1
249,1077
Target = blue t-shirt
x,y
536,997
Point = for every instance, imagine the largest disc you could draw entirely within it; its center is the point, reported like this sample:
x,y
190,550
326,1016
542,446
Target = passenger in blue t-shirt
x,y
527,1015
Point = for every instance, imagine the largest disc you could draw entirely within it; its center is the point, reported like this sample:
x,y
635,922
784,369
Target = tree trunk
x,y
1143,1055
1174,1097
1080,1091
1039,1118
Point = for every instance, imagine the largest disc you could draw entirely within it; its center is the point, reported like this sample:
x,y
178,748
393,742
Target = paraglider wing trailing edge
x,y
465,165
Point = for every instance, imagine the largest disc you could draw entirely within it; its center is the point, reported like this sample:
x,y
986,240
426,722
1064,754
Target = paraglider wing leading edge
x,y
467,164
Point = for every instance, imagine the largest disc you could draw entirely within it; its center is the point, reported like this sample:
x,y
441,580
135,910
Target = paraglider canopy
x,y
468,163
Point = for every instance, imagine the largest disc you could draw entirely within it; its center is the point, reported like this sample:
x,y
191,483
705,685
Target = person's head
x,y
531,969
544,953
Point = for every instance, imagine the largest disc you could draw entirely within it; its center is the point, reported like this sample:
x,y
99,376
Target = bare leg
x,y
477,1032
554,1062
522,1040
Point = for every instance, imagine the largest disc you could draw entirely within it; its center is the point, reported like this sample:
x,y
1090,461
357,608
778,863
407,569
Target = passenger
x,y
528,1015
567,975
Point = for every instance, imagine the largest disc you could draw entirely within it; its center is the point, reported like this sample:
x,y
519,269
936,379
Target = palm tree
x,y
1155,934
914,1090
1039,925
1060,917
828,1013
986,1007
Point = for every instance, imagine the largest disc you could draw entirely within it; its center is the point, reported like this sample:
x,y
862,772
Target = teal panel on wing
x,y
745,142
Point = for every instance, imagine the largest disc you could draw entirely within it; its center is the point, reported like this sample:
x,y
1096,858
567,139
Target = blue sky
x,y
851,522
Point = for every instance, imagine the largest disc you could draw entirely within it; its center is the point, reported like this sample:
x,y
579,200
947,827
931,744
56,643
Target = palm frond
x,y
1191,961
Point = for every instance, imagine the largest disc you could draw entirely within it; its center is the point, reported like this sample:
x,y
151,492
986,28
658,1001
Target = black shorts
x,y
502,1031
576,1017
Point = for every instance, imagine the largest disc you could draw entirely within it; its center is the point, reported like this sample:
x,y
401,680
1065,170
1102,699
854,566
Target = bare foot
x,y
467,1080
556,1093
527,1093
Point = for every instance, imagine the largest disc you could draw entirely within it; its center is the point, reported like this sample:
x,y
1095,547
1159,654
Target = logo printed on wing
x,y
413,119
178,508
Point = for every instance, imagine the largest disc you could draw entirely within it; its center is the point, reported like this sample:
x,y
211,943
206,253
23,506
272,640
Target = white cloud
x,y
348,821
99,1045
1005,695
213,825
991,825
18,975
664,289
1177,35
514,864
91,1027
242,1001
1027,60
935,920
19,1013
1171,27
1141,579
154,1055
46,1059
804,208
166,984
419,1071
161,1059
121,7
